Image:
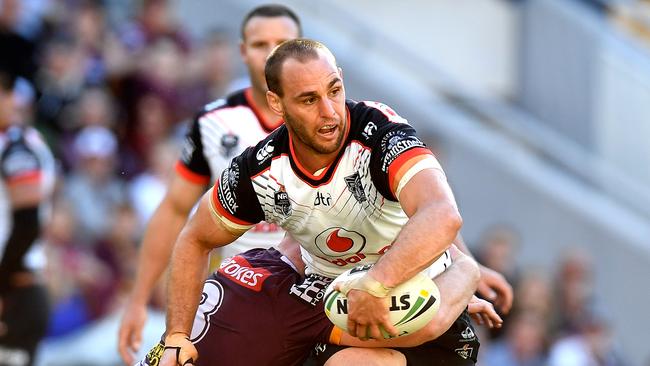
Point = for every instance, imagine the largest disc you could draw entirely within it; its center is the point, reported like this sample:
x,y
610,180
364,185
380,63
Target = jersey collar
x,y
325,174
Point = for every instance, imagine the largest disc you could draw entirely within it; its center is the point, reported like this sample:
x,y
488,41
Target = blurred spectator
x,y
153,124
59,82
575,290
88,26
153,22
497,250
592,345
118,251
74,275
95,107
18,52
148,188
211,71
523,345
93,187
534,294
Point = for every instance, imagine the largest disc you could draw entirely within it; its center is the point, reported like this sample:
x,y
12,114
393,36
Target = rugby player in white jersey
x,y
351,182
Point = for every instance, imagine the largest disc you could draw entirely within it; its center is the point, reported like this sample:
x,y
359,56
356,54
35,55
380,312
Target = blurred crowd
x,y
557,318
111,86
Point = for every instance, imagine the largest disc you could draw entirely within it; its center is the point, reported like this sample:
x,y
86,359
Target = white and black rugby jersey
x,y
24,158
221,131
347,215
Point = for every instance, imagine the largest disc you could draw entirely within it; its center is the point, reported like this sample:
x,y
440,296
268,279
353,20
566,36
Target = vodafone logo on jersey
x,y
338,242
238,270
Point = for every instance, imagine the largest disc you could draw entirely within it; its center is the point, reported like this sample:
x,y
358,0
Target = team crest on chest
x,y
229,142
354,185
282,205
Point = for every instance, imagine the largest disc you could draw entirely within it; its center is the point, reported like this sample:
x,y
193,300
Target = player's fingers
x,y
136,341
123,346
505,298
487,321
374,332
477,318
362,331
484,290
352,328
388,327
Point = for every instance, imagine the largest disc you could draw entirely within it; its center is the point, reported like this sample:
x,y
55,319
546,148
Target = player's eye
x,y
309,101
334,92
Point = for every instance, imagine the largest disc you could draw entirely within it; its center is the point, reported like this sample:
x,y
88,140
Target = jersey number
x,y
211,299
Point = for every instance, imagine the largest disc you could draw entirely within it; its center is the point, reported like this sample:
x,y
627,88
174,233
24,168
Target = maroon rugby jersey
x,y
230,322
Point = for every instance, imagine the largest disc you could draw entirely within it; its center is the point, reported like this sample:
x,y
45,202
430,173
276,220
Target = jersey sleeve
x,y
20,165
193,165
233,199
395,145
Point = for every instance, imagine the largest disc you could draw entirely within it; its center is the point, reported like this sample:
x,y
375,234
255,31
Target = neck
x,y
259,98
312,161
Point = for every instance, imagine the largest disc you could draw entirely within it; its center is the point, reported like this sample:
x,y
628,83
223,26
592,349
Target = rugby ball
x,y
411,305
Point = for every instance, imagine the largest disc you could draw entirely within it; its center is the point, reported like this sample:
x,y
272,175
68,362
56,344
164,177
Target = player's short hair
x,y
301,49
271,11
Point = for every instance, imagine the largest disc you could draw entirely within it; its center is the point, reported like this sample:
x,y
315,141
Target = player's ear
x,y
273,100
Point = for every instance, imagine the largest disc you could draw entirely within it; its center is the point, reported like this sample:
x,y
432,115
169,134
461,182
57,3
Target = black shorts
x,y
456,347
25,314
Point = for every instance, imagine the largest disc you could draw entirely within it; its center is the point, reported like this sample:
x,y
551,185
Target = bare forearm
x,y
184,287
423,239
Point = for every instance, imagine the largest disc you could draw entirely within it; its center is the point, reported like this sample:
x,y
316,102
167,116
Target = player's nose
x,y
326,108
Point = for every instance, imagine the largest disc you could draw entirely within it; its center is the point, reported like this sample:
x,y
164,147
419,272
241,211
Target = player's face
x,y
261,36
313,104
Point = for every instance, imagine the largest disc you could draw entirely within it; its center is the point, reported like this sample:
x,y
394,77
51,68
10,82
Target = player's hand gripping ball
x,y
411,305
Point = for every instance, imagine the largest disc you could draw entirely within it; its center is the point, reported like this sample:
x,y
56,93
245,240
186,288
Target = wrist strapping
x,y
367,284
185,350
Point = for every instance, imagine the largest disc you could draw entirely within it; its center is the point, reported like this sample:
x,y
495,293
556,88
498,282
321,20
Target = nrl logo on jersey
x,y
282,205
354,185
266,151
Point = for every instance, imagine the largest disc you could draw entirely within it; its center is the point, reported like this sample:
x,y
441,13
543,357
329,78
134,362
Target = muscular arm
x,y
433,225
202,233
157,244
456,284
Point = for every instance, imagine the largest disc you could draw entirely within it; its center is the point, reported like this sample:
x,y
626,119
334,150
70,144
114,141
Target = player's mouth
x,y
328,131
